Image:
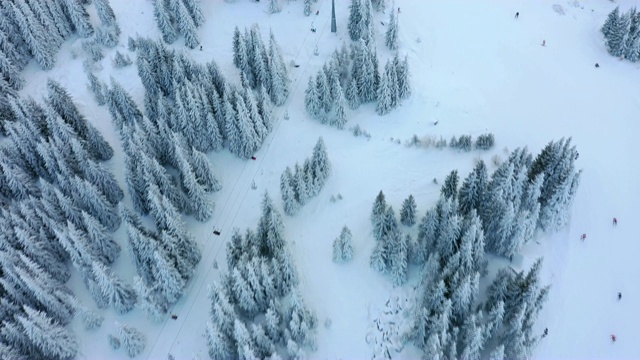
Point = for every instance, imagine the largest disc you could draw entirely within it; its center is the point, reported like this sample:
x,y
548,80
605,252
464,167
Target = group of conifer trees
x,y
305,181
179,17
498,214
352,77
622,34
257,311
36,29
59,205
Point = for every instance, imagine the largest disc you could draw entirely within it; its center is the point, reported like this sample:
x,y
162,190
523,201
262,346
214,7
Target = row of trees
x,y
305,182
256,311
179,17
622,34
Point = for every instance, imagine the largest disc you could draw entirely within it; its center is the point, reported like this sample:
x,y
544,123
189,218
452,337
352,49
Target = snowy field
x,y
475,69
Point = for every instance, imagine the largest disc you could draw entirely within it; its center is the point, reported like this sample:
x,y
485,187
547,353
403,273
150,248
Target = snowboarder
x,y
619,296
544,43
613,338
583,236
615,222
597,65
546,332
517,14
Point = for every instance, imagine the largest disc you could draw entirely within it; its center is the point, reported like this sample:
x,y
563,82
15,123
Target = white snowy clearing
x,y
475,69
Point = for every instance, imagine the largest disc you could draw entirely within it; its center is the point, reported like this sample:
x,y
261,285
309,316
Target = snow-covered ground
x,y
475,69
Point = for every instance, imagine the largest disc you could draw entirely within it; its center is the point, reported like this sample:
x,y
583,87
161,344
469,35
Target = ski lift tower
x,y
333,16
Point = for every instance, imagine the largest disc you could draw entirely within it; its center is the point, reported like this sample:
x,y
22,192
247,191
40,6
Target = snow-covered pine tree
x,y
340,115
352,95
51,339
403,75
450,187
408,211
324,96
187,26
34,36
120,295
195,11
163,20
148,301
617,40
98,89
105,12
391,36
377,213
274,7
291,205
300,185
312,100
399,257
169,281
611,24
133,339
79,18
105,249
120,61
219,345
355,18
320,166
307,7
342,246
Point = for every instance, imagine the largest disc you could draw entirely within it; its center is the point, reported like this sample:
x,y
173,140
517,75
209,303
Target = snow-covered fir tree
x,y
133,340
342,246
291,205
274,7
391,36
408,211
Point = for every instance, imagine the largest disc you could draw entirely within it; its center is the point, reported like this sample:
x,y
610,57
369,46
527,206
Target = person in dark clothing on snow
x,y
517,14
546,332
615,222
613,338
619,296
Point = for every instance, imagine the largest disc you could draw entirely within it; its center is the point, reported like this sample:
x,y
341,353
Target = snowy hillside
x,y
475,69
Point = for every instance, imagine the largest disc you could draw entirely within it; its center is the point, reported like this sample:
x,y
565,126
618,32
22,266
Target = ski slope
x,y
475,69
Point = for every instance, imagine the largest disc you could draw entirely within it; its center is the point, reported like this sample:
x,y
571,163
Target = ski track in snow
x,y
475,69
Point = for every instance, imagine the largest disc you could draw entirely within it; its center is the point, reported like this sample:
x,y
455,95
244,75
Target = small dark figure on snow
x,y
398,10
313,29
318,12
597,65
619,296
577,155
200,47
174,317
613,338
583,236
517,14
615,222
545,332
544,43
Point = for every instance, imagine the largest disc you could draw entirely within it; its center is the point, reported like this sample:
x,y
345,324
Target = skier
x,y
597,65
544,43
398,10
615,222
546,332
517,14
583,236
318,12
613,338
619,296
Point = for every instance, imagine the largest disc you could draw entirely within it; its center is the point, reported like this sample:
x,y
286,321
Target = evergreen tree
x,y
355,19
79,18
399,255
616,42
391,36
120,61
342,247
300,185
408,211
105,12
307,7
195,11
320,166
611,23
51,339
473,189
34,35
340,116
147,300
163,20
291,205
450,187
352,95
312,99
133,340
98,89
187,26
120,295
274,7
169,281
103,246
378,212
403,75
219,345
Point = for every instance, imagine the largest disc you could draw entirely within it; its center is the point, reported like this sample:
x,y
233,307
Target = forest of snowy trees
x,y
622,34
257,310
498,215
